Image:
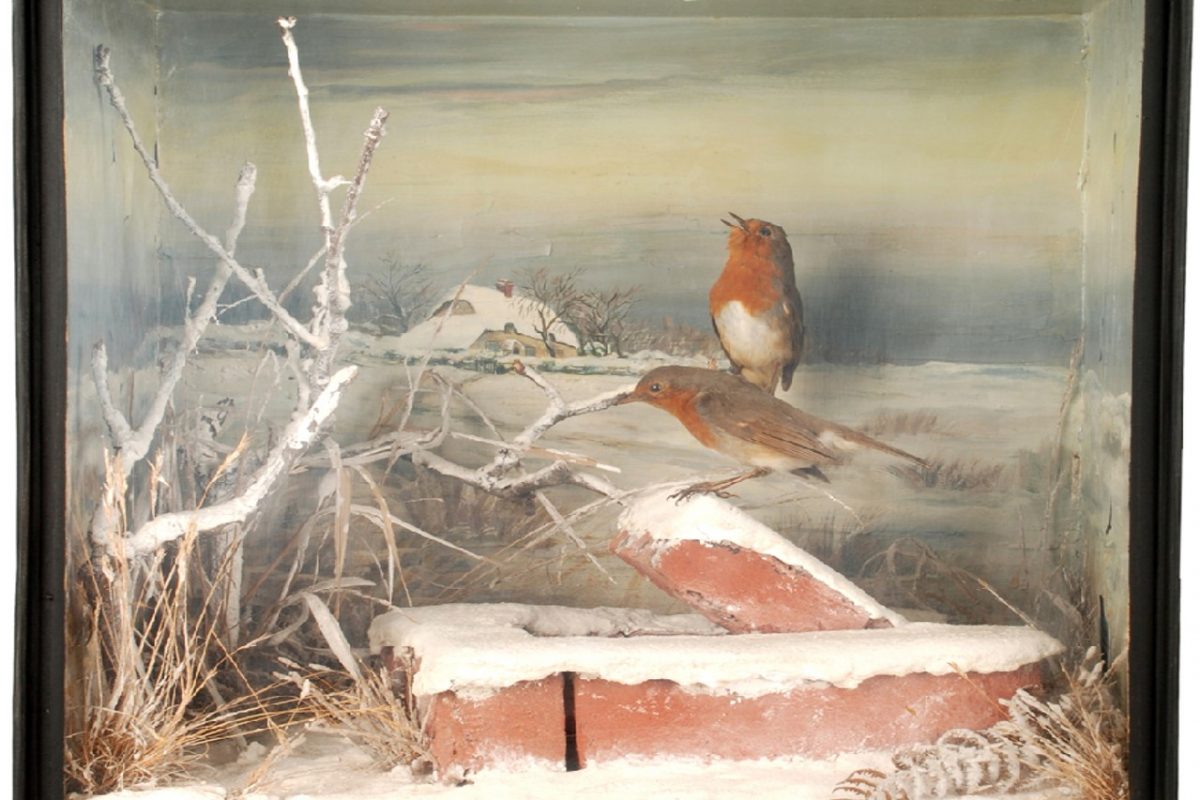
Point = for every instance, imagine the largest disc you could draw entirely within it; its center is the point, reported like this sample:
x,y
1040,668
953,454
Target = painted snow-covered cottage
x,y
492,320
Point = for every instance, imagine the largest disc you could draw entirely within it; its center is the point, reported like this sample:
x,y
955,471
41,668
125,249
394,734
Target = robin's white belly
x,y
750,341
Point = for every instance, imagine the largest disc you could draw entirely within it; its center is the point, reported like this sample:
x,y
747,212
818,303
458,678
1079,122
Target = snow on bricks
x,y
494,683
737,572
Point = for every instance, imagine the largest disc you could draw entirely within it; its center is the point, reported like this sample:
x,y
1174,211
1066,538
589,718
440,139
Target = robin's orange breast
x,y
683,408
749,281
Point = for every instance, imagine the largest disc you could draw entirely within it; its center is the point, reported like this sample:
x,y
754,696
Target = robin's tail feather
x,y
896,451
863,439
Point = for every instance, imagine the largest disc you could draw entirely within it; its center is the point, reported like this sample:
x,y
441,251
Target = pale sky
x,y
944,149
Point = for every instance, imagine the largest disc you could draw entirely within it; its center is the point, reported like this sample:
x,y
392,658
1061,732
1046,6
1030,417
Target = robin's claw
x,y
682,494
700,488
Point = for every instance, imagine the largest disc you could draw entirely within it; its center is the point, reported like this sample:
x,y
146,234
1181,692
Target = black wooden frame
x,y
41,275
1157,413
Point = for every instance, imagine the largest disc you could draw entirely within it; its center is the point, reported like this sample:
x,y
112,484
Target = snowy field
x,y
325,767
991,426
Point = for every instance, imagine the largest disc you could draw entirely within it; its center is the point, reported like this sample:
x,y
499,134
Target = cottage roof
x,y
491,310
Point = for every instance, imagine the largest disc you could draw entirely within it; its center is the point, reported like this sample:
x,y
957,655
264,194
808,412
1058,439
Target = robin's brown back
x,y
732,416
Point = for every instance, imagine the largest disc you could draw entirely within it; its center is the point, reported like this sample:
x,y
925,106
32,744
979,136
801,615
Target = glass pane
x,y
598,397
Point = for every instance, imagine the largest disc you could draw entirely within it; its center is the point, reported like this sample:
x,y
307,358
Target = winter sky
x,y
926,170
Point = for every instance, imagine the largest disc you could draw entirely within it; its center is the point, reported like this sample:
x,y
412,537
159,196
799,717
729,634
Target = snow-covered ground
x,y
326,767
994,422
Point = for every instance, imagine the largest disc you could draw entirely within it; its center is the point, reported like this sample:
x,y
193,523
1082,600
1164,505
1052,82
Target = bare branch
x,y
557,411
255,284
319,256
118,426
333,297
134,444
298,435
323,187
197,322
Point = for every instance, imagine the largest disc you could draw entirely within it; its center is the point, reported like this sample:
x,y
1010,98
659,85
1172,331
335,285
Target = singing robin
x,y
736,418
755,305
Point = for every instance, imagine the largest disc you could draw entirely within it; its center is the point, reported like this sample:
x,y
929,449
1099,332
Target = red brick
x,y
522,722
742,590
660,718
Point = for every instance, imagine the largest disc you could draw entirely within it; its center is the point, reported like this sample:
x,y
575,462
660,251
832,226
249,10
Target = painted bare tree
x,y
601,319
397,296
554,299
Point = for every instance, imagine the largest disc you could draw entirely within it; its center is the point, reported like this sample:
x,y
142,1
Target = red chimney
x,y
505,286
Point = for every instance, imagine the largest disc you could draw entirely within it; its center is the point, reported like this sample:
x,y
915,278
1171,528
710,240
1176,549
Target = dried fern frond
x,y
1081,739
1076,743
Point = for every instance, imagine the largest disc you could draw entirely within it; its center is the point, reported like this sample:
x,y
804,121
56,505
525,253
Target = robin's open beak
x,y
741,223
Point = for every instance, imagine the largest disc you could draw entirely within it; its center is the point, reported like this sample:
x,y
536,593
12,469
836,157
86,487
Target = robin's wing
x,y
793,308
786,429
756,417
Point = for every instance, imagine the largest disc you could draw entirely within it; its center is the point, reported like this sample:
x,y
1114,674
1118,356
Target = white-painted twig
x,y
298,435
255,283
134,444
557,411
544,452
333,294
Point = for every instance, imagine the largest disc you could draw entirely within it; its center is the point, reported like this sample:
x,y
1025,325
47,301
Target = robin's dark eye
x,y
765,232
656,387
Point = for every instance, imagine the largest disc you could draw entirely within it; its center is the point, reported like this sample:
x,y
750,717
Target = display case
x,y
781,396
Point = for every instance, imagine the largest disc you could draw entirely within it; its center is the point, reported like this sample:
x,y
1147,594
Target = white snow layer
x,y
474,650
705,518
326,767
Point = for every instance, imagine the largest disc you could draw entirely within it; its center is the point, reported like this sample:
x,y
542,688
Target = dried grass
x,y
1077,742
909,574
152,656
1081,739
888,424
375,713
956,475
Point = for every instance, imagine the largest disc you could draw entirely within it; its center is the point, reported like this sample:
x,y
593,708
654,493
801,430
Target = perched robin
x,y
755,306
733,417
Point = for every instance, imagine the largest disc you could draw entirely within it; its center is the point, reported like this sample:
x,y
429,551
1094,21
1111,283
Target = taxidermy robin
x,y
755,306
736,418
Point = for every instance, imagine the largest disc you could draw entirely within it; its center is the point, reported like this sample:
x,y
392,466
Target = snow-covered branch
x,y
557,411
295,440
134,444
324,187
254,282
333,294
494,477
